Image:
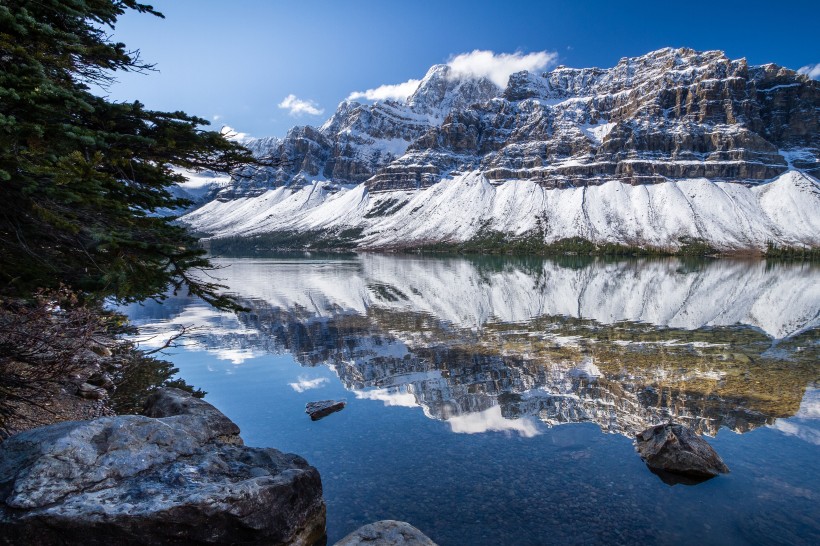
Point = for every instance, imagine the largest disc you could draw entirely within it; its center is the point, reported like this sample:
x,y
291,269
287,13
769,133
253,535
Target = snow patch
x,y
726,215
597,133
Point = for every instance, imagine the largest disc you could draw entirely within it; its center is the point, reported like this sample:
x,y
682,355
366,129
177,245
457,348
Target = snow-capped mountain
x,y
359,139
673,146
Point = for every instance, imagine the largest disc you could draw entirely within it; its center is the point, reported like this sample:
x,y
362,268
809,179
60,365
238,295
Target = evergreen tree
x,y
84,179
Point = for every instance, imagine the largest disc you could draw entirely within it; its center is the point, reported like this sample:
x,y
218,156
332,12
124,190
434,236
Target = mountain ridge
x,y
672,116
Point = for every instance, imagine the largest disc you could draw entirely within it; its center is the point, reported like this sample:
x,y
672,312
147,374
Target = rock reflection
x,y
498,344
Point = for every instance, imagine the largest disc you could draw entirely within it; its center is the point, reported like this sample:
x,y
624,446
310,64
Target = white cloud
x,y
804,424
811,70
232,134
399,91
305,384
476,64
297,106
498,66
390,398
216,117
491,420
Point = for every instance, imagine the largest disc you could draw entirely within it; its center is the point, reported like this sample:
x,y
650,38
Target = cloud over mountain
x,y
399,91
497,67
811,70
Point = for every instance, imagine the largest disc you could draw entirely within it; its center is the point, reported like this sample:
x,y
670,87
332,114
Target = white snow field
x,y
726,215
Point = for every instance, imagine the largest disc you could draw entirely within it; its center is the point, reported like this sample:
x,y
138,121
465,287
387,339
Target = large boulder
x,y
387,532
678,449
177,477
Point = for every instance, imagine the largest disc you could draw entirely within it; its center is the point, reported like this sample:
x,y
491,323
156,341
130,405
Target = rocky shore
x,y
179,474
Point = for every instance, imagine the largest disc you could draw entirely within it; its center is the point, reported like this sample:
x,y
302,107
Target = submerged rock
x,y
677,449
387,532
323,408
177,477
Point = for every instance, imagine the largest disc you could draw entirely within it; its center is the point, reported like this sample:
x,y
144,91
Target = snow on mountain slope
x,y
218,215
791,203
200,184
725,215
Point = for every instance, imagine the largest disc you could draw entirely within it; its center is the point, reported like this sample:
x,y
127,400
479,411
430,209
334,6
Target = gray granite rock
x,y
196,412
676,448
155,480
387,532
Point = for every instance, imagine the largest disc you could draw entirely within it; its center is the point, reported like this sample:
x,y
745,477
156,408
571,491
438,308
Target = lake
x,y
495,401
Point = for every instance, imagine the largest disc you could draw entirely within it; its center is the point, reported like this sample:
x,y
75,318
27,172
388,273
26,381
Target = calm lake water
x,y
494,401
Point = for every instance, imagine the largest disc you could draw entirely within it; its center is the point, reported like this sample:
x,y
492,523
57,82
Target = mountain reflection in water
x,y
500,344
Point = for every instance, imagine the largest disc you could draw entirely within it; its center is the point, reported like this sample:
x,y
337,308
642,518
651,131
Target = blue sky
x,y
237,62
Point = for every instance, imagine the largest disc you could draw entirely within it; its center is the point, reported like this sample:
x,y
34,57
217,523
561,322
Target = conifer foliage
x,y
84,180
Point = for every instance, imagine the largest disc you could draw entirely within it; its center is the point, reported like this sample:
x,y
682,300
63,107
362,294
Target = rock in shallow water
x,y
323,408
140,480
387,532
677,449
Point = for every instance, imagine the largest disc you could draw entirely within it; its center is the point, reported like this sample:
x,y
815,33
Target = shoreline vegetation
x,y
87,185
62,361
490,243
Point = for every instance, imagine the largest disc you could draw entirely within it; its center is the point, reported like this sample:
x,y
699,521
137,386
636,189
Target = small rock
x,y
387,532
102,380
323,408
90,392
676,448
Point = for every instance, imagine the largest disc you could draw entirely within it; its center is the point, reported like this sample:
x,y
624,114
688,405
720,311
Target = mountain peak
x,y
441,91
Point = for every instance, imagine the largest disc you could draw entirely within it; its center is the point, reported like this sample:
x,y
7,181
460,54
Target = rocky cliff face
x,y
359,140
671,116
673,113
